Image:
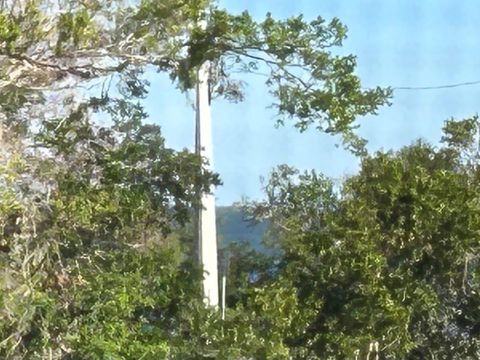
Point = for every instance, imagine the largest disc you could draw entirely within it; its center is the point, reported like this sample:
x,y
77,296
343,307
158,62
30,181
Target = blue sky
x,y
397,43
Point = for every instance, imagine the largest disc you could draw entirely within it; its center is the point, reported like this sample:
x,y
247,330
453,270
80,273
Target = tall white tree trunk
x,y
206,220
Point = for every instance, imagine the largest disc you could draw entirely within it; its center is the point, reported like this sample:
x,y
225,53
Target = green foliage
x,y
85,215
390,257
95,255
245,268
128,306
310,83
9,32
75,28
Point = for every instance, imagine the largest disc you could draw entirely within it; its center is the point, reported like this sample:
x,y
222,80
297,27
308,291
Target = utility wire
x,y
468,83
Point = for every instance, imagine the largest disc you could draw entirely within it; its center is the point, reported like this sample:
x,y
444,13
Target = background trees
x,y
95,257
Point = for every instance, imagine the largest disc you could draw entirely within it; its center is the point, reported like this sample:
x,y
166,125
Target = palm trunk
x,y
205,217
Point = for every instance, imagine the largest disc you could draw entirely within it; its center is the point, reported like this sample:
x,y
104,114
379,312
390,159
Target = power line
x,y
448,86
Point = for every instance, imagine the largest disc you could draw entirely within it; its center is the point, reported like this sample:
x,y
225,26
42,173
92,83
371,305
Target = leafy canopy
x,y
387,262
50,45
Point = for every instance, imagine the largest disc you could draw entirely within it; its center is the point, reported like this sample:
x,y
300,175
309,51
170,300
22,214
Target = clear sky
x,y
397,43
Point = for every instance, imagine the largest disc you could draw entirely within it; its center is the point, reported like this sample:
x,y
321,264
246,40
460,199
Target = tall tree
x,y
50,44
